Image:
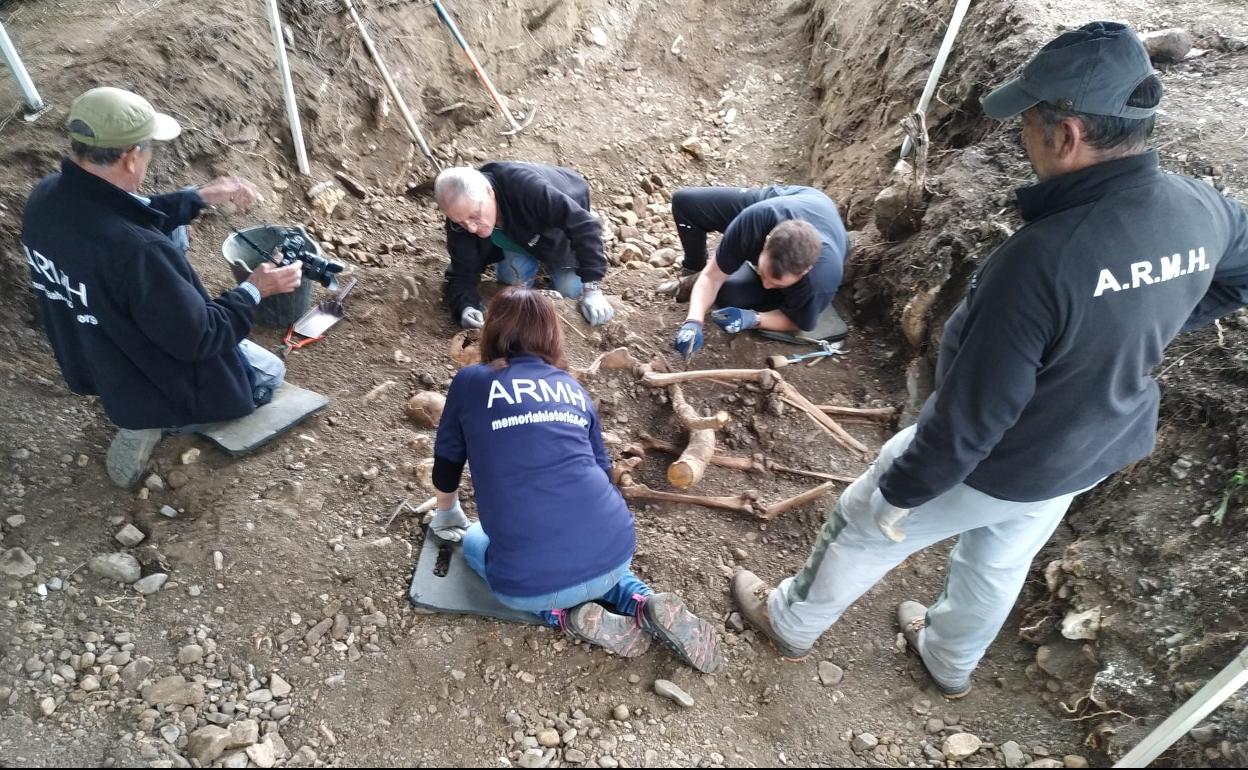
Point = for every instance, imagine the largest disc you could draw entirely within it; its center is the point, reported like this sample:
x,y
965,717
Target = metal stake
x,y
20,74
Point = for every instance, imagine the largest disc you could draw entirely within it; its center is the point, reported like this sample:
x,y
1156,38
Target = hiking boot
x,y
693,640
128,455
912,618
593,623
751,594
680,288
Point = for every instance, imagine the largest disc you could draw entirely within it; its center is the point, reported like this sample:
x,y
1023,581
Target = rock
x,y
190,456
278,686
830,674
935,726
47,706
17,563
174,690
154,483
425,408
1013,754
135,672
260,696
574,757
599,36
899,207
548,738
207,744
864,742
959,746
263,754
621,713
1074,761
1181,469
89,683
121,567
152,583
730,116
670,691
1082,625
317,632
663,258
15,521
694,146
243,734
191,654
1048,762
171,734
235,760
376,619
178,479
168,511
1167,46
130,536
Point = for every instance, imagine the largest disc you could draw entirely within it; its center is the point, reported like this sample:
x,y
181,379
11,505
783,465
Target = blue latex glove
x,y
735,319
689,339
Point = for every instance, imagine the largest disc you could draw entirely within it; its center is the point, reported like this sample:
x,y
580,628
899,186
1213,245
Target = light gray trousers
x,y
997,541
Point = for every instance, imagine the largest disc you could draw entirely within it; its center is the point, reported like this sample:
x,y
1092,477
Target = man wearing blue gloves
x,y
777,267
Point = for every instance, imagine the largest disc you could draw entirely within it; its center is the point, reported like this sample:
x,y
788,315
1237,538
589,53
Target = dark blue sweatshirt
x,y
541,474
1044,382
126,315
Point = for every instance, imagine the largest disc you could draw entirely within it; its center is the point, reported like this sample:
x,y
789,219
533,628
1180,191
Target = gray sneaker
x,y
128,455
912,618
751,594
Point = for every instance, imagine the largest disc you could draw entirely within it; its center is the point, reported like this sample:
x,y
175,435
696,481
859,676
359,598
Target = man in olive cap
x,y
127,317
1043,386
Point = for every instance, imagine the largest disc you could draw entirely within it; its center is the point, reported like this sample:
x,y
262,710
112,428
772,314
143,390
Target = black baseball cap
x,y
1092,70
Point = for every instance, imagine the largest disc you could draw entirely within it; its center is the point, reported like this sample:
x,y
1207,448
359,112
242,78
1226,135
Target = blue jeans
x,y
521,269
615,589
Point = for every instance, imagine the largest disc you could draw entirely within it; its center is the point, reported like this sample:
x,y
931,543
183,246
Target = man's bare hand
x,y
232,190
270,279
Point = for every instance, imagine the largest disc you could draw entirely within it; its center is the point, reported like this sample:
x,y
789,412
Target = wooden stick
x,y
883,413
810,474
809,496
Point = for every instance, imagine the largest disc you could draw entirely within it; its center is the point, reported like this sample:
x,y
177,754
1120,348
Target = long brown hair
x,y
521,321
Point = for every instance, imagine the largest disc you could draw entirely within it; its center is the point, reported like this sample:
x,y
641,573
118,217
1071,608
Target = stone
x,y
1051,763
190,456
317,632
15,521
47,706
278,686
260,696
1082,625
548,738
154,483
864,742
959,746
191,654
168,511
89,683
621,713
574,757
1167,46
243,734
207,744
694,146
17,563
174,690
935,726
1013,754
135,672
121,567
130,536
234,759
1074,761
171,734
673,693
152,583
425,408
830,674
663,258
599,36
263,754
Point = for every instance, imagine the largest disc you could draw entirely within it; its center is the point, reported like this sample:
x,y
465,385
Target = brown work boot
x,y
751,594
912,618
680,288
595,624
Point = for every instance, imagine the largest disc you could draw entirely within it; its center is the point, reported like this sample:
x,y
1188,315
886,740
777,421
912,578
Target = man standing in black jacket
x,y
126,315
520,216
1044,385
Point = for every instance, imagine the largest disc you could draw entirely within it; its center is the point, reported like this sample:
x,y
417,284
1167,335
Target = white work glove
x,y
471,318
888,517
451,524
594,305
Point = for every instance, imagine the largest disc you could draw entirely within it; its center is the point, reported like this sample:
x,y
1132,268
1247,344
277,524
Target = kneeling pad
x,y
290,405
830,327
445,583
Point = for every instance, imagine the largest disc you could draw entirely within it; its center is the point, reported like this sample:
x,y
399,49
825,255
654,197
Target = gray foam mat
x,y
460,591
291,404
831,327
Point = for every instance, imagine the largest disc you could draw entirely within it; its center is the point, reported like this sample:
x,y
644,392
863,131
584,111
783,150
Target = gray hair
x,y
97,156
462,182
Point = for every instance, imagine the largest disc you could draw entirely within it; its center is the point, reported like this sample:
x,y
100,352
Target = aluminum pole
x,y
20,74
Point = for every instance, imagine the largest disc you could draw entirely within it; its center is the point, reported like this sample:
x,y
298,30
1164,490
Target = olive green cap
x,y
117,119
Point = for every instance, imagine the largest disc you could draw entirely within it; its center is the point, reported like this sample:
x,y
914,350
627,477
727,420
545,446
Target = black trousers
x,y
700,211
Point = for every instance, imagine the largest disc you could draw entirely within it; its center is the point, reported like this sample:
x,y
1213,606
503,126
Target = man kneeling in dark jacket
x,y
521,216
127,317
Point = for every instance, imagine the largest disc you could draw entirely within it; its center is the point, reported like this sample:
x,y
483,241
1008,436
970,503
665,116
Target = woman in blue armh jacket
x,y
555,537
